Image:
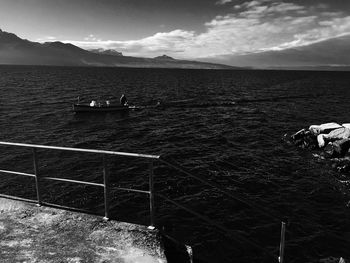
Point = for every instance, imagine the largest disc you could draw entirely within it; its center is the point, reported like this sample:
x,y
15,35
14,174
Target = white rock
x,y
317,129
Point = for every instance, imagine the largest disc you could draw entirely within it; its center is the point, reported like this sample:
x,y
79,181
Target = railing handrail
x,y
149,156
105,185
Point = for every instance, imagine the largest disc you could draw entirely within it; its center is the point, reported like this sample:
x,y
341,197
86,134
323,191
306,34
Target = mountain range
x,y
330,54
17,51
102,51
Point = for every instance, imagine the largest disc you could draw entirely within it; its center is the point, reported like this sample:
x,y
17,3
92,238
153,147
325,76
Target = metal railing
x,y
105,185
152,158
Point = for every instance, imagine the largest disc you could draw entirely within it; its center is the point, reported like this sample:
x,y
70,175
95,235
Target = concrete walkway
x,y
34,234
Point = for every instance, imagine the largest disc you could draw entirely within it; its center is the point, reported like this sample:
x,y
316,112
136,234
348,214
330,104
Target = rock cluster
x,y
332,139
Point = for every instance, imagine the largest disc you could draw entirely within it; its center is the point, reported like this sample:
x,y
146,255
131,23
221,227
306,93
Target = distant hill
x,y
331,54
102,51
14,50
164,57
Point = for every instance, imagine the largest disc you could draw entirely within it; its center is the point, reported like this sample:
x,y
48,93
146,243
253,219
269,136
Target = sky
x,y
184,29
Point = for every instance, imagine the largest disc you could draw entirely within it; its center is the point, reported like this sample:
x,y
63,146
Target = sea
x,y
227,127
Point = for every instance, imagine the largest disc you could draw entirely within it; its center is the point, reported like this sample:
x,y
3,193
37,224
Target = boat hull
x,y
86,108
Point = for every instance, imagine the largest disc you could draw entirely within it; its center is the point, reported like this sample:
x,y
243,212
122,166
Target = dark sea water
x,y
239,147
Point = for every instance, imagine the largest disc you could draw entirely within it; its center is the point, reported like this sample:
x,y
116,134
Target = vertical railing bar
x,y
282,242
151,195
106,187
189,252
36,172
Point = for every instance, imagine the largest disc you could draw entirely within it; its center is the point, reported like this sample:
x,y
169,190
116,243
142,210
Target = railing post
x,y
282,242
151,195
36,172
106,187
190,253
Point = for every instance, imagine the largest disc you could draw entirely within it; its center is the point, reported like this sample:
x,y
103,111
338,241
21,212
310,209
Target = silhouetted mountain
x,y
102,51
164,57
14,50
331,54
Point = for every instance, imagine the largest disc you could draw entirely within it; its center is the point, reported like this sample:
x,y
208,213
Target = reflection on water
x,y
103,117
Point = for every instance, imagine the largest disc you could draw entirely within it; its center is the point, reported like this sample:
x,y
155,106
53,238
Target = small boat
x,y
101,108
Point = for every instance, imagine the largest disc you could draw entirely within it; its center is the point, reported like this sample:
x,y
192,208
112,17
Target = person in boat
x,y
123,100
93,103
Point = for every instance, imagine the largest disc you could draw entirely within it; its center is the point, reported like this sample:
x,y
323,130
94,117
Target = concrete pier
x,y
42,234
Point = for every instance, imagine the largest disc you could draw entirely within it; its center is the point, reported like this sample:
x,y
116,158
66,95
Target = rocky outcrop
x,y
330,141
332,137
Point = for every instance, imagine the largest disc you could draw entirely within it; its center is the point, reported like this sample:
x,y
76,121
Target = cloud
x,y
173,42
249,4
90,37
223,2
46,38
253,26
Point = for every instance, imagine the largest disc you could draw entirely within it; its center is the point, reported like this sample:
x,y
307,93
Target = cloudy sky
x,y
191,29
